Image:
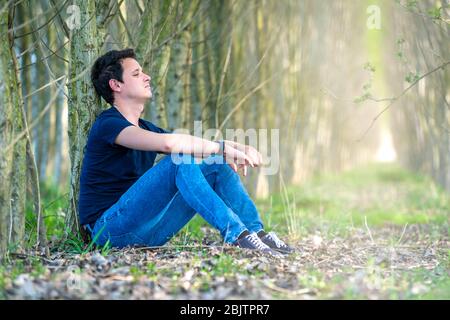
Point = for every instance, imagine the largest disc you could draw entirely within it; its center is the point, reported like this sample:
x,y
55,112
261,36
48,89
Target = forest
x,y
347,101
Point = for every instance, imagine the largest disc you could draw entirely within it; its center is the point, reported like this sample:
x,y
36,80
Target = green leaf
x,y
434,13
412,77
410,4
367,86
362,98
369,67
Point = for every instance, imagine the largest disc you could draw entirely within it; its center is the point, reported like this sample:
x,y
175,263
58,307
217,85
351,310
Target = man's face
x,y
136,84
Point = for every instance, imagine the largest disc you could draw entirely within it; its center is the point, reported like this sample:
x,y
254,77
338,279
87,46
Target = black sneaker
x,y
272,241
253,242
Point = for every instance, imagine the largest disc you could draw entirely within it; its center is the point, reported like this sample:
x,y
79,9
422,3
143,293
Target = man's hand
x,y
253,154
249,151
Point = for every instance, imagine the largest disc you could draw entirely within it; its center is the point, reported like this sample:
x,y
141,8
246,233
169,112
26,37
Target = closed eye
x,y
136,72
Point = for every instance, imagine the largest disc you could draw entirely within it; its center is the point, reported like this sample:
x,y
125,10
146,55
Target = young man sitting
x,y
126,199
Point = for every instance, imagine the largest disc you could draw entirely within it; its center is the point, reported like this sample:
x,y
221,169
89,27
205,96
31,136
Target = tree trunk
x,y
164,30
19,170
6,129
84,105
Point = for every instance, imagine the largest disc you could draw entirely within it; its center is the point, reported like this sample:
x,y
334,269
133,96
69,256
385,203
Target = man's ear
x,y
114,85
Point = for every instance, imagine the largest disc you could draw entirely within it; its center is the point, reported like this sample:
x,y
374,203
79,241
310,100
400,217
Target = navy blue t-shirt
x,y
108,169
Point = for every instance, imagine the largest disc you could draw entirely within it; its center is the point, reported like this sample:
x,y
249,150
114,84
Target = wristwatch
x,y
221,147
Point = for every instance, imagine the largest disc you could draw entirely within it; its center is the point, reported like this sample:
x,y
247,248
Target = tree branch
x,y
394,99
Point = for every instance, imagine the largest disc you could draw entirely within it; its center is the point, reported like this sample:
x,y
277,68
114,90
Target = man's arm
x,y
136,138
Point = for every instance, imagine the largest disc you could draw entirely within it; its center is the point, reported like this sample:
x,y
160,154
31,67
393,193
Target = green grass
x,y
378,194
54,203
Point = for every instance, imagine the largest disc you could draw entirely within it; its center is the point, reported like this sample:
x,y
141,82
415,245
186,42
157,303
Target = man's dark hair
x,y
107,67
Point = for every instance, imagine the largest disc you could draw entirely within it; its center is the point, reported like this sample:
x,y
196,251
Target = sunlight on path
x,y
386,151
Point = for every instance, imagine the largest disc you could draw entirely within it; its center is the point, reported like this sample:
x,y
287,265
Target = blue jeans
x,y
169,194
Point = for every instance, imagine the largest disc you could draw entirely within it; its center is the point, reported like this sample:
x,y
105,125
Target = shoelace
x,y
278,242
254,239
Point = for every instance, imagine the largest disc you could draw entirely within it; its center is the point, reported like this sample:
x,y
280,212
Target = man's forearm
x,y
235,145
185,143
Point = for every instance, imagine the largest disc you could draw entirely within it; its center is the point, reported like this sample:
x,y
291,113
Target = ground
x,y
378,232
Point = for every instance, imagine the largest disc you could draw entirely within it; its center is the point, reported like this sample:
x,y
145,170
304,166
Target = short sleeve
x,y
155,128
110,127
160,130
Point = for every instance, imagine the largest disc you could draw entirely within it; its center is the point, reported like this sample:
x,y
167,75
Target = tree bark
x,y
6,131
84,105
19,170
